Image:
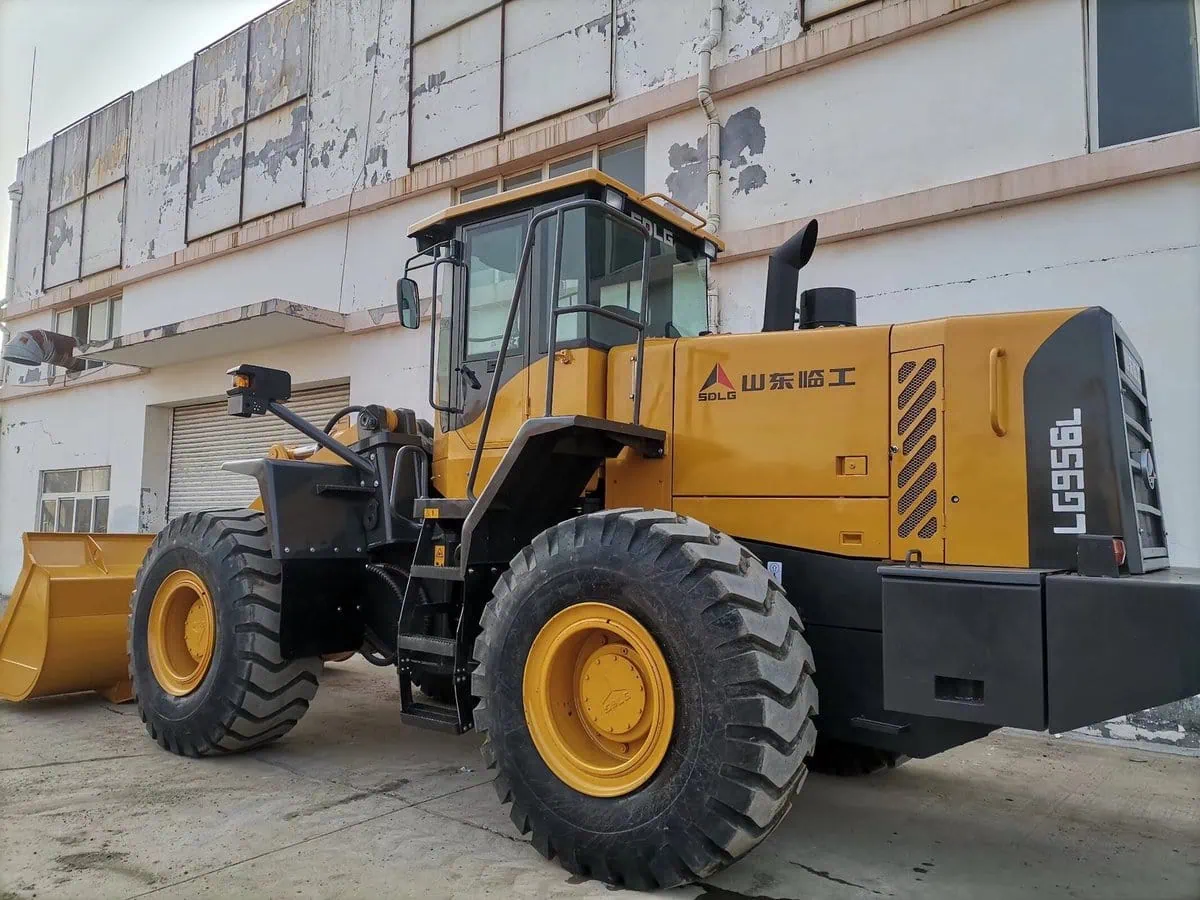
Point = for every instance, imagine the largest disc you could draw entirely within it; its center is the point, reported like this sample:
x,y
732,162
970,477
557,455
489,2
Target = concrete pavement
x,y
352,804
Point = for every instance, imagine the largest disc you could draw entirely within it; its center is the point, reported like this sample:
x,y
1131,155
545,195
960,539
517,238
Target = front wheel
x,y
645,695
204,651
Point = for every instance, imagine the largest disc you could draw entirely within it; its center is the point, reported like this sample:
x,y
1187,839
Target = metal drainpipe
x,y
716,25
15,192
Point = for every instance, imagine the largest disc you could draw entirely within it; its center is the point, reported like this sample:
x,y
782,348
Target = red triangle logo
x,y
715,377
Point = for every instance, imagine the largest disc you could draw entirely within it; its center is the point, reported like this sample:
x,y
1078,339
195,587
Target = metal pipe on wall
x,y
716,25
15,192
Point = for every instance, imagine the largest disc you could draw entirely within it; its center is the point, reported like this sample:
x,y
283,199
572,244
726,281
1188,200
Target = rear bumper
x,y
1118,645
1036,649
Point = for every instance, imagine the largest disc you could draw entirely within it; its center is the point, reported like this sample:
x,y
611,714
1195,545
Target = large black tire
x,y
834,757
250,695
744,698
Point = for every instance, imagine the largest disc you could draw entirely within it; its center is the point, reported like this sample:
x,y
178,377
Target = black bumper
x,y
1117,645
1035,649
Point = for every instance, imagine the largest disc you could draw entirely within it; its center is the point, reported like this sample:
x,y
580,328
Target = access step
x,y
430,715
438,573
428,644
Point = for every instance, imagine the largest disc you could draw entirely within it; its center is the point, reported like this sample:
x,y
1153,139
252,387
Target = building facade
x,y
961,156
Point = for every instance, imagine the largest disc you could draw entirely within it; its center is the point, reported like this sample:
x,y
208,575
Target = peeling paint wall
x,y
306,268
29,231
215,185
945,106
456,87
158,158
274,164
108,145
219,102
542,39
657,42
359,101
102,225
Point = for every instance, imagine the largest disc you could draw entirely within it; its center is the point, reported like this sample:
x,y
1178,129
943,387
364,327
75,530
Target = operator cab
x,y
478,247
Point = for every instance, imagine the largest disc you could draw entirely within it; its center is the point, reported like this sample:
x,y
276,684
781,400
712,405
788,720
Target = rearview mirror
x,y
408,303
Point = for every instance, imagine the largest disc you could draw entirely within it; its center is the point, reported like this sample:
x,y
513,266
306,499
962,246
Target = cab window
x,y
493,251
602,266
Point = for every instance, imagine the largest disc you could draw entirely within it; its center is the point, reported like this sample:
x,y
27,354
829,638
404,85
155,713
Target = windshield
x,y
602,266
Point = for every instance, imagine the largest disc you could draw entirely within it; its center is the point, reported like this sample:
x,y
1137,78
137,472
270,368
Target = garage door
x,y
205,435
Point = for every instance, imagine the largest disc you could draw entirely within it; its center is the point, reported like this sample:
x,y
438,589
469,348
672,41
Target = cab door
x,y
492,251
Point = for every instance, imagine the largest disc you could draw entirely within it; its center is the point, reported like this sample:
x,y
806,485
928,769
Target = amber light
x,y
1119,551
241,381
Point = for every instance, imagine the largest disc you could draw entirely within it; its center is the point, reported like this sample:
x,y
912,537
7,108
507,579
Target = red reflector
x,y
1119,551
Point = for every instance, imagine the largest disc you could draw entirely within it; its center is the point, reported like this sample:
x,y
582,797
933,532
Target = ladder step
x,y
437,573
429,715
428,644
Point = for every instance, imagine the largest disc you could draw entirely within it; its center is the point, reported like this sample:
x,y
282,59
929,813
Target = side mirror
x,y
408,303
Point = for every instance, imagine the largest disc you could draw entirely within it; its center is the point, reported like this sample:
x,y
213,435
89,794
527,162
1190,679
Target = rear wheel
x,y
645,695
204,651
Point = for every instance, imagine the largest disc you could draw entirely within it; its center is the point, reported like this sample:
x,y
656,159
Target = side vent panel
x,y
918,483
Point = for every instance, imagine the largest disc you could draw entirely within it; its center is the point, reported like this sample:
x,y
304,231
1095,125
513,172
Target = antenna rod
x,y
29,114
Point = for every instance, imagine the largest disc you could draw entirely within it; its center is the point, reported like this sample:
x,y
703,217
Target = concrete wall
x,y
345,266
952,104
348,128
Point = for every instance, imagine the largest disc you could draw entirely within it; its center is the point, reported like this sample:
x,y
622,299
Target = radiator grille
x,y
916,464
1143,473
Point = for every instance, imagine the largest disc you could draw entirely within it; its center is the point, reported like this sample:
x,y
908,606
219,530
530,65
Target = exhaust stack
x,y
783,276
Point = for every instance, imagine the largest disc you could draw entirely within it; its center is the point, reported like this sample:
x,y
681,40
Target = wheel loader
x,y
663,572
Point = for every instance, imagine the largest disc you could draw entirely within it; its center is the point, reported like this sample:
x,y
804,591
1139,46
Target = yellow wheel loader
x,y
630,552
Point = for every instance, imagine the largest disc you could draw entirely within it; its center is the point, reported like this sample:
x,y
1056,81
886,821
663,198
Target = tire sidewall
x,y
652,596
191,715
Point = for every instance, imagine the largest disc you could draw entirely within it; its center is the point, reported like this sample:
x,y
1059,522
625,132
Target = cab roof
x,y
672,214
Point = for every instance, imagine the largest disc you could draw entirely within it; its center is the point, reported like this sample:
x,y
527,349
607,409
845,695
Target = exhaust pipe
x,y
783,276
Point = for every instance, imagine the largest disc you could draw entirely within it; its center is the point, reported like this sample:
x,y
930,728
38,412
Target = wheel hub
x,y
181,632
598,699
611,690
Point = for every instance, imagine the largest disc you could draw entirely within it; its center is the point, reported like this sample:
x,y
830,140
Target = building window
x,y
74,499
625,162
90,322
1145,69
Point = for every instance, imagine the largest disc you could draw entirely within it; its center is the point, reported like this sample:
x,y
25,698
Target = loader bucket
x,y
65,629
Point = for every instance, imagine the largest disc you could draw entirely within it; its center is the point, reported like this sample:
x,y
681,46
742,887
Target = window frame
x,y
74,496
112,327
499,182
516,346
1092,79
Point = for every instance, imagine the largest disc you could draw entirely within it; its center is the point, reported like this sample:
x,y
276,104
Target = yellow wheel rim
x,y
181,632
598,700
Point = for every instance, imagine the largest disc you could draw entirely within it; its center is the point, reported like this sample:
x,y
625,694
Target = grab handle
x,y
996,390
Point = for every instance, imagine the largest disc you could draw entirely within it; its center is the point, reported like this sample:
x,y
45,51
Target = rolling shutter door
x,y
205,435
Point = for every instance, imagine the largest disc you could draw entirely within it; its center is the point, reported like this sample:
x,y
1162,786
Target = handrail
x,y
522,270
671,201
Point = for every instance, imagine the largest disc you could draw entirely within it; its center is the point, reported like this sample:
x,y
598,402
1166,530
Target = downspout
x,y
716,24
15,192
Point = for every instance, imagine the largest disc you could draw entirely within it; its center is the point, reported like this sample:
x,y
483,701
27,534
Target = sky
x,y
89,52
